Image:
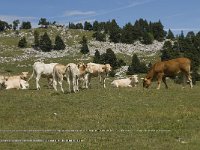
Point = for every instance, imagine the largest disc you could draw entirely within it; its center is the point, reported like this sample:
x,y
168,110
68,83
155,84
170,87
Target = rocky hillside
x,y
9,52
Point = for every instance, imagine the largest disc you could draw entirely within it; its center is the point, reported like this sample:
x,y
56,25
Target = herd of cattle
x,y
82,73
73,73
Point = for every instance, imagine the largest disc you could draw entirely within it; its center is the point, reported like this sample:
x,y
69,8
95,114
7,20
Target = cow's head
x,y
146,82
108,68
24,75
134,79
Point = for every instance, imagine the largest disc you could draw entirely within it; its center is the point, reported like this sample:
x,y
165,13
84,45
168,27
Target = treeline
x,y
141,30
43,42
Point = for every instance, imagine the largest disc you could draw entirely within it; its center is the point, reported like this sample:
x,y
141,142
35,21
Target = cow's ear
x,y
142,78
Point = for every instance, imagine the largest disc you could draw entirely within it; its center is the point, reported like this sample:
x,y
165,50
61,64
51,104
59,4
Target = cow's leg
x,y
37,81
60,82
104,82
69,83
74,84
189,78
77,86
164,81
50,82
159,78
55,85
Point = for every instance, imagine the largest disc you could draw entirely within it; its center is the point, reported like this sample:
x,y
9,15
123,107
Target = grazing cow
x,y
72,73
16,83
127,82
97,70
41,69
169,68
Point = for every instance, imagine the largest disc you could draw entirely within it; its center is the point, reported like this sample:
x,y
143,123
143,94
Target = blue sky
x,y
174,14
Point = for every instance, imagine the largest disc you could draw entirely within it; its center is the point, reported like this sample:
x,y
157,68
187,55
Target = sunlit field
x,y
97,118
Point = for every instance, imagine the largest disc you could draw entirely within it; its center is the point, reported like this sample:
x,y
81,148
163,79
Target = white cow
x,y
73,74
59,71
127,82
23,75
97,70
41,69
16,83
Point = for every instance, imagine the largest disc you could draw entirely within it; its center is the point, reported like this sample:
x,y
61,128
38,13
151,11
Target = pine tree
x,y
99,36
158,31
96,26
169,52
45,43
26,25
170,35
59,44
87,26
43,22
114,32
96,57
84,47
136,66
22,43
15,24
36,39
127,34
147,38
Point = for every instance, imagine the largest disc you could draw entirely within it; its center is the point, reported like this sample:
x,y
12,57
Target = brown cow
x,y
169,68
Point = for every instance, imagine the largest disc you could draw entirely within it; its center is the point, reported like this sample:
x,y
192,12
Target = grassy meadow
x,y
124,118
135,118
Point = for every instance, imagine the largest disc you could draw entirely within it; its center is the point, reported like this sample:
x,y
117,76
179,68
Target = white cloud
x,y
79,13
130,5
184,29
10,19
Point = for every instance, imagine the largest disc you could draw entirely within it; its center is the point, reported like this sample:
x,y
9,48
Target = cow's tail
x,y
31,76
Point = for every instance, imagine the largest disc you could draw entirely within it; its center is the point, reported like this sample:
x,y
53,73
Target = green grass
x,y
173,114
138,118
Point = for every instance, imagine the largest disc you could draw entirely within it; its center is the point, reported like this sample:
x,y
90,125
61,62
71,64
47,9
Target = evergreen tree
x,y
99,36
72,25
22,43
96,26
59,44
147,38
79,26
96,57
158,31
45,43
127,35
15,24
170,35
168,52
190,35
114,32
109,58
25,25
36,39
43,22
87,26
136,66
3,25
84,47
